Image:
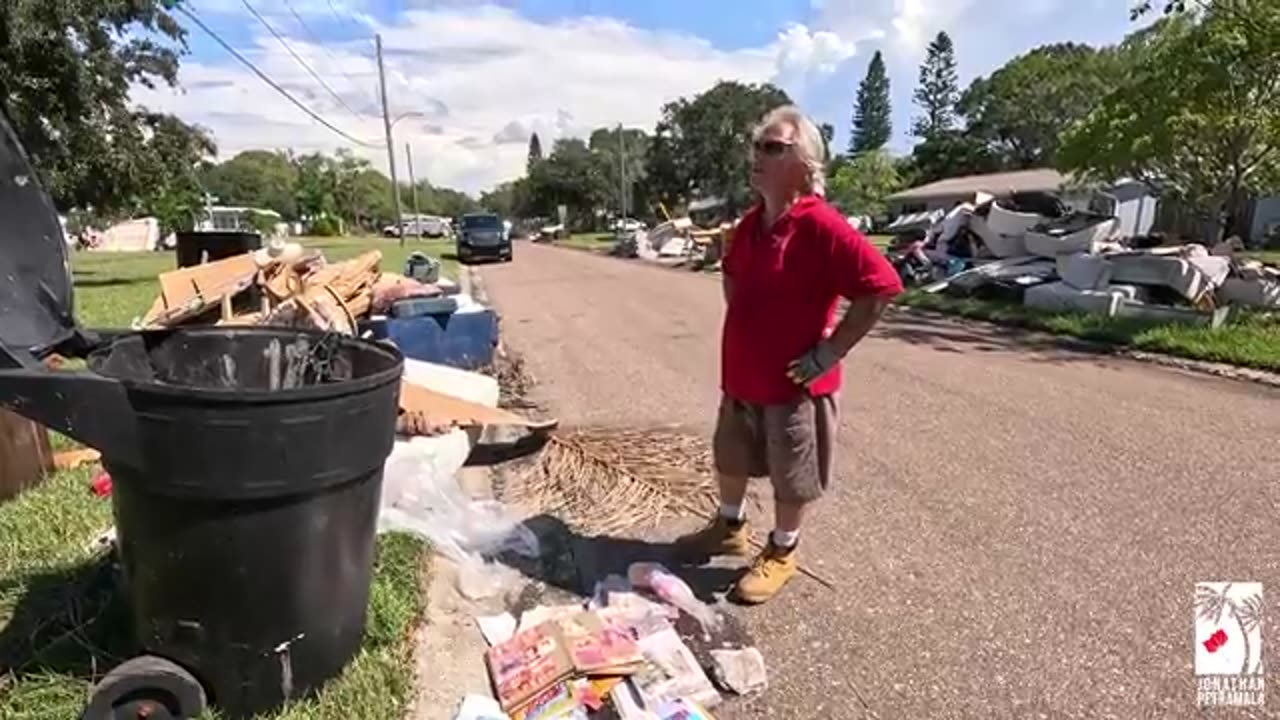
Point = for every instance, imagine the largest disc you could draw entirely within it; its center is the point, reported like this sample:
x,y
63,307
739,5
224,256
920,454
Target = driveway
x,y
1016,529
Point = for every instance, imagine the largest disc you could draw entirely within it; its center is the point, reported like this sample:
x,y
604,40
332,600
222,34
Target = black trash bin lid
x,y
35,278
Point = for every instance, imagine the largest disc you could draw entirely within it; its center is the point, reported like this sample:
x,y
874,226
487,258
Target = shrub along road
x,y
1015,528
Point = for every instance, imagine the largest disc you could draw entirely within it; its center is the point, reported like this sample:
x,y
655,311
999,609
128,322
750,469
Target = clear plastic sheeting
x,y
421,495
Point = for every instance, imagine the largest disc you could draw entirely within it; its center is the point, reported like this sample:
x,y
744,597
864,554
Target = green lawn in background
x,y
1266,256
63,623
1252,339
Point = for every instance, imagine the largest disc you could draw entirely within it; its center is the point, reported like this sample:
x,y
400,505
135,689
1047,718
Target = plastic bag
x,y
673,591
420,495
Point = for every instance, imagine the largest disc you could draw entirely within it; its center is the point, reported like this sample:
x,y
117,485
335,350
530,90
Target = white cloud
x,y
484,77
907,25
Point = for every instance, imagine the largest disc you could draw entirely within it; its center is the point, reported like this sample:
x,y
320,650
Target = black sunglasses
x,y
771,147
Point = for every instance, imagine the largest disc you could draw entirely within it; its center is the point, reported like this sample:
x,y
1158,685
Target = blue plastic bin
x,y
462,339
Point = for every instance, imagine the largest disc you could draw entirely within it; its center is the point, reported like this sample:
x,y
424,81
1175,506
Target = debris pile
x,y
618,655
282,285
677,239
1034,250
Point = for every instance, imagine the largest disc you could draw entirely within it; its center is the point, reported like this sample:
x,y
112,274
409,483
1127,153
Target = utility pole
x,y
391,148
413,185
622,175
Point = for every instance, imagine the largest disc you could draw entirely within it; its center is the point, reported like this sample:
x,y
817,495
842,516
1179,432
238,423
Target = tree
x,y
1023,108
505,198
535,152
172,151
862,184
317,188
570,176
256,178
701,146
1198,116
949,154
66,69
939,89
612,150
872,115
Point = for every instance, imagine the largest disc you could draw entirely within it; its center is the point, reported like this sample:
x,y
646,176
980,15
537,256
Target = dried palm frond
x,y
604,482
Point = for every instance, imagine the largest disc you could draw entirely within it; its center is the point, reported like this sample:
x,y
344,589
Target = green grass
x,y
600,242
1266,256
63,623
1251,340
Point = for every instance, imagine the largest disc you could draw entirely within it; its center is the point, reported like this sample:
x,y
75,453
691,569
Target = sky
x,y
476,78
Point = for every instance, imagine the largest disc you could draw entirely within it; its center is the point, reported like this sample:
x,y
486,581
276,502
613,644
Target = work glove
x,y
813,364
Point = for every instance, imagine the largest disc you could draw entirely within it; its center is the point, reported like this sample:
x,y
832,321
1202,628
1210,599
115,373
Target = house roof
x,y
998,184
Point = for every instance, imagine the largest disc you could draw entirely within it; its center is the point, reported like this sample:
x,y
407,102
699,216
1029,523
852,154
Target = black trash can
x,y
201,246
247,468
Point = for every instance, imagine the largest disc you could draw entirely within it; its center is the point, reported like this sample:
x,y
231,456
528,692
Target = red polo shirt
x,y
787,281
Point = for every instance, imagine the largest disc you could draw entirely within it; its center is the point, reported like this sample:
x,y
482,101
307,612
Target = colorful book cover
x,y
528,664
555,703
599,648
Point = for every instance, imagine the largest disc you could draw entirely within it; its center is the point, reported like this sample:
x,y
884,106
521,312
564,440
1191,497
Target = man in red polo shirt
x,y
791,258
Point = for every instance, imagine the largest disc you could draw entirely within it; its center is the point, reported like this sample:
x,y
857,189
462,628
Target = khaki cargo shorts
x,y
791,444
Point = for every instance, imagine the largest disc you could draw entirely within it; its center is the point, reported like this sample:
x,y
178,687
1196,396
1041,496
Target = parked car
x,y
553,232
482,235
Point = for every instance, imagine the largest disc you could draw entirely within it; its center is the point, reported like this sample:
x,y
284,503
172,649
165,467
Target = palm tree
x,y
1248,613
1210,605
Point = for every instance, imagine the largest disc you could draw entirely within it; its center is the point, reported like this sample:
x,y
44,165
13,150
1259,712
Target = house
x,y
1129,200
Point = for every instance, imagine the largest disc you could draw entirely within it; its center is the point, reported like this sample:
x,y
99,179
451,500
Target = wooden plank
x,y
438,409
25,455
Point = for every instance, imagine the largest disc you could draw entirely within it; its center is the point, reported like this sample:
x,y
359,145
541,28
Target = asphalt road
x,y
1016,529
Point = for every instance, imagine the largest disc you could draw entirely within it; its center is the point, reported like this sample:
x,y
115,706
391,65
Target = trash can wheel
x,y
146,688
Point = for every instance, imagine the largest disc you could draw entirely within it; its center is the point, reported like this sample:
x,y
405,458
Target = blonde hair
x,y
810,145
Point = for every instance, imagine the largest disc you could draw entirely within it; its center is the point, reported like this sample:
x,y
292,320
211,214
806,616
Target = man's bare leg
x,y
733,493
788,516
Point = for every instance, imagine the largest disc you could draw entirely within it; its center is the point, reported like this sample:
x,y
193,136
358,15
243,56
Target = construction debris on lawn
x,y
676,239
618,655
1034,250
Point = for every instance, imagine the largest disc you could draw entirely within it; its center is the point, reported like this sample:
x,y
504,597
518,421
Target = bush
x,y
324,227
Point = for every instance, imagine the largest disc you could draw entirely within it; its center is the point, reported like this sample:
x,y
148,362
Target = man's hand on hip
x,y
814,364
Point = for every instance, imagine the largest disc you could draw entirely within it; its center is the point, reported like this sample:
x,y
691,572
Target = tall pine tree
x,y
535,151
939,90
872,116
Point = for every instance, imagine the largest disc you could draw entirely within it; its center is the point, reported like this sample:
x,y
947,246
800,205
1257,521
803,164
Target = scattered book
x,y
531,662
599,648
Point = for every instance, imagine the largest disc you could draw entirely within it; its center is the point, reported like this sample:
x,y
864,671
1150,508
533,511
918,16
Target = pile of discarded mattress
x,y
1032,249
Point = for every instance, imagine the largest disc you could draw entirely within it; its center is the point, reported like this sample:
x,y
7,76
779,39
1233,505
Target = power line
x,y
276,86
298,57
342,18
321,44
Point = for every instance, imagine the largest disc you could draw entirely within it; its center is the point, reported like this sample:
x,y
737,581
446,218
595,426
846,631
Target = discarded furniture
x,y
1076,233
1000,244
1176,273
1255,293
1060,297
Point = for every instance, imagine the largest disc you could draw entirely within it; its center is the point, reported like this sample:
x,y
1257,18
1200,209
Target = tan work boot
x,y
771,570
719,537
